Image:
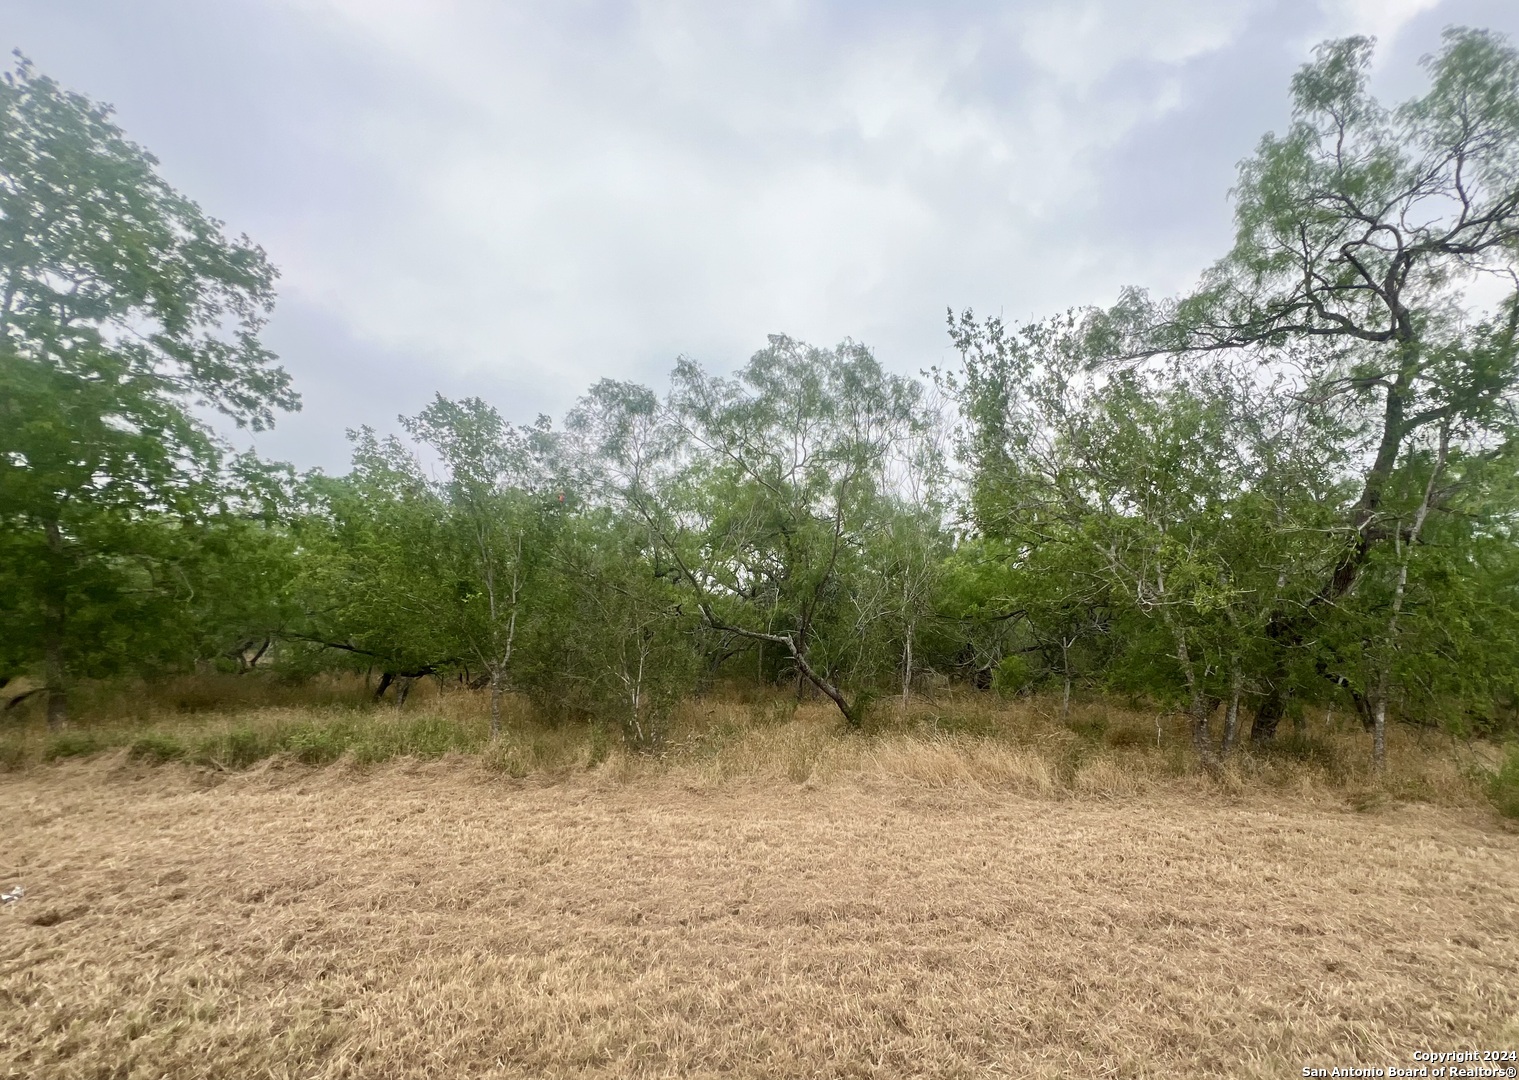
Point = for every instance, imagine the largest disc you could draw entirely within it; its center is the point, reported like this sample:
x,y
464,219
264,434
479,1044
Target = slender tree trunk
x,y
57,695
1065,666
804,670
1231,723
55,614
497,678
498,670
1288,629
907,668
1202,739
1379,733
1201,707
1400,591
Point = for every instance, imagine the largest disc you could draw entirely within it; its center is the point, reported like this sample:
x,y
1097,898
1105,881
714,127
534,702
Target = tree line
x,y
1296,485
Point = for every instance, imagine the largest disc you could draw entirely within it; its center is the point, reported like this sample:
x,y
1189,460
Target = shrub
x,y
1014,675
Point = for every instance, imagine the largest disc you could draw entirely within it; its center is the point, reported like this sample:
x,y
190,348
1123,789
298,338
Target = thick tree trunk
x,y
1202,740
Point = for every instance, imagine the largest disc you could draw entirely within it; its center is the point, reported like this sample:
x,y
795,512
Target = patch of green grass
x,y
73,744
1503,785
236,749
314,745
12,755
157,747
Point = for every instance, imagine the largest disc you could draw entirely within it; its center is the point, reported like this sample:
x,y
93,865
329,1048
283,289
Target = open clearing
x,y
438,920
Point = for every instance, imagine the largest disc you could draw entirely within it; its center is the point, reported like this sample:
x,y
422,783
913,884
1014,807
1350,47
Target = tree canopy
x,y
1294,484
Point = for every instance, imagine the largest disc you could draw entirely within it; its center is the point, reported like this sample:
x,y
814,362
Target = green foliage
x,y
770,500
1014,675
123,307
1297,480
1295,483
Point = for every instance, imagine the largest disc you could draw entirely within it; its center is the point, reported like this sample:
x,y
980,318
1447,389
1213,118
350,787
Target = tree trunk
x,y
57,695
852,713
1202,706
1202,741
55,614
1287,630
1379,734
1400,591
1231,723
907,669
496,680
1065,665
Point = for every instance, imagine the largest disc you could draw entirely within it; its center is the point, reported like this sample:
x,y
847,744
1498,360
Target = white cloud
x,y
579,187
1382,19
1083,42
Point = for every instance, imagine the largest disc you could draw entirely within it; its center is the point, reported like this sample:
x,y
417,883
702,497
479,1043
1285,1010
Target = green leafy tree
x,y
762,491
122,307
1358,235
372,586
1191,503
500,513
613,639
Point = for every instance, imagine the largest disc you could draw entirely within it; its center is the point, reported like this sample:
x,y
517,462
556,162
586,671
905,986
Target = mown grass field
x,y
969,890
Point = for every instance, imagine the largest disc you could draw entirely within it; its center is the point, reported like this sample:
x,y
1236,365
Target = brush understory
x,y
968,888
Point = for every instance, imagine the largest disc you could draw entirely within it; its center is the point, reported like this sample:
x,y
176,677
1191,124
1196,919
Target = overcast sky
x,y
516,199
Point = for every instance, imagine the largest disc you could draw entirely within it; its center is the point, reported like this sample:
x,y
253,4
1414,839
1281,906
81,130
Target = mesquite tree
x,y
500,509
761,490
1358,235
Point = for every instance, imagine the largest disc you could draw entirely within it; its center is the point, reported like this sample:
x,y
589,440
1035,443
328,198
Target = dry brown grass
x,y
773,902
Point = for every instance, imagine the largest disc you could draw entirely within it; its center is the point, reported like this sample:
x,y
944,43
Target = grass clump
x,y
157,747
67,744
1503,785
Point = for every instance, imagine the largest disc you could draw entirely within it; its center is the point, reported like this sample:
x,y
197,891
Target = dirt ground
x,y
438,921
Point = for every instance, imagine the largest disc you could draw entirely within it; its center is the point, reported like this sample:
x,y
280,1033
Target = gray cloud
x,y
515,200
